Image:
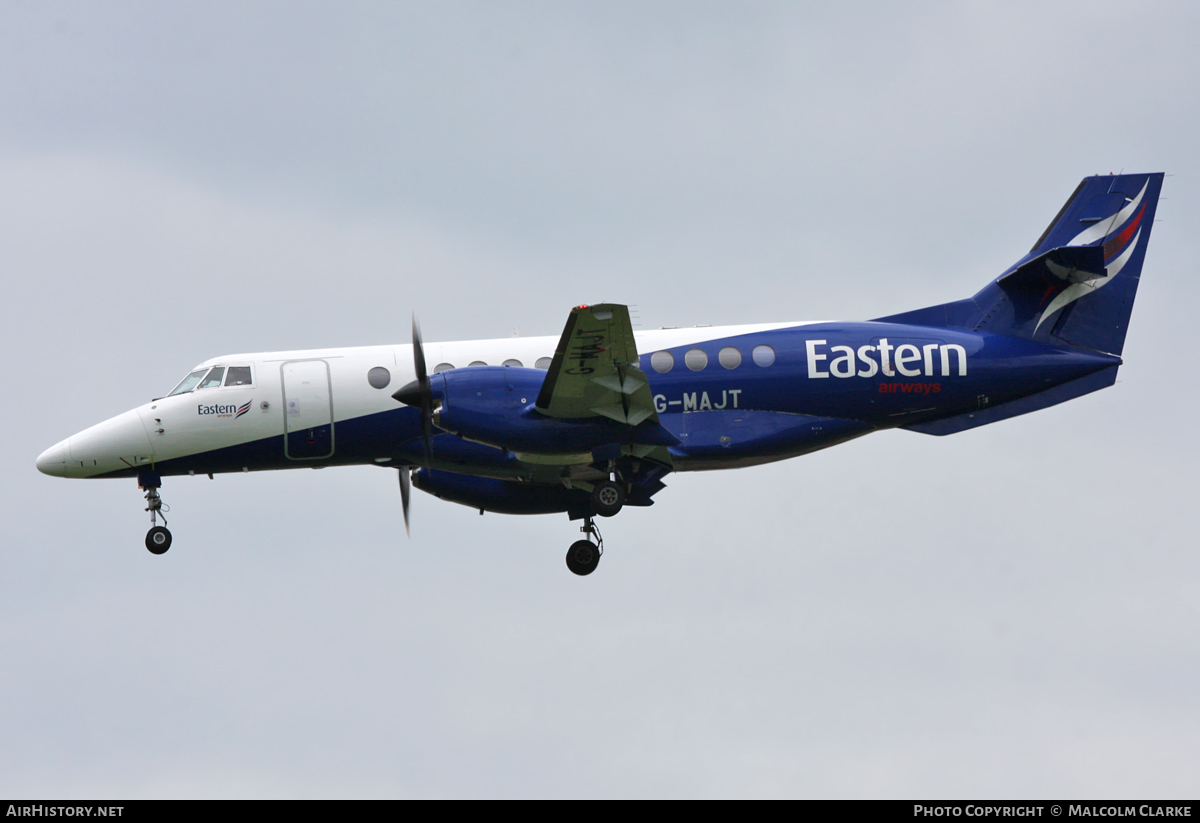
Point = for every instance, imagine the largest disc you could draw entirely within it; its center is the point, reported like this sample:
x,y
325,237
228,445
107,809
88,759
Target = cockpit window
x,y
238,376
214,378
188,383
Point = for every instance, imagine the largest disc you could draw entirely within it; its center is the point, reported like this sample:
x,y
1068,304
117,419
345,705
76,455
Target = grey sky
x,y
1008,612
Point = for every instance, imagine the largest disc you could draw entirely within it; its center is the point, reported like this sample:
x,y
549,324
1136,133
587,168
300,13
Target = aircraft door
x,y
307,410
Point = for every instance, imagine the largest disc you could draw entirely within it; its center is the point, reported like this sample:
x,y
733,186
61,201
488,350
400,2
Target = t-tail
x,y
1077,284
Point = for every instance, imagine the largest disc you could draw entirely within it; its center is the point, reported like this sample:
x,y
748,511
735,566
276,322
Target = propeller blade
x,y
419,393
419,353
426,390
405,495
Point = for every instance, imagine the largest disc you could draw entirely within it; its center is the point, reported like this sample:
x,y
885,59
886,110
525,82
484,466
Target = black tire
x,y
158,540
608,498
583,557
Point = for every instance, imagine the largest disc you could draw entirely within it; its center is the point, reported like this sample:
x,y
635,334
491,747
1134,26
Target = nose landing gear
x,y
158,539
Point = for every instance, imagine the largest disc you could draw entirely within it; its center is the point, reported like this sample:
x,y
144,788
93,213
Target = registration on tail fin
x,y
1077,284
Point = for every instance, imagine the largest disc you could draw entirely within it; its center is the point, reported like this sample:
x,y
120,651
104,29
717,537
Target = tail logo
x,y
1120,233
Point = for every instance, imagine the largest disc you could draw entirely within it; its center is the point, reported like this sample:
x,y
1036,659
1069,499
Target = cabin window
x,y
441,367
729,357
662,361
188,383
238,376
379,377
763,356
476,363
214,378
516,364
695,359
543,363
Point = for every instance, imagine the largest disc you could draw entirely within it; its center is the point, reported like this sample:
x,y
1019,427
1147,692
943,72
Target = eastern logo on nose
x,y
233,412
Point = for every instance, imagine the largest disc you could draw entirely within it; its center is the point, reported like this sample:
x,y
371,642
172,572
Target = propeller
x,y
405,495
419,393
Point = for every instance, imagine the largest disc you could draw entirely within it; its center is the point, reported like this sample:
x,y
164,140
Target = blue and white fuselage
x,y
732,396
595,419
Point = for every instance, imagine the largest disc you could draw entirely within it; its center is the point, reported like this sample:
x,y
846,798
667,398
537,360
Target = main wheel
x,y
608,498
158,540
583,557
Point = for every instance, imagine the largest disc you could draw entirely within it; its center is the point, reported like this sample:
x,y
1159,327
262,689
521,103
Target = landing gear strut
x,y
158,539
584,555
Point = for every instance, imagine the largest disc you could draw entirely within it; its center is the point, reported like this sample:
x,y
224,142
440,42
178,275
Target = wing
x,y
595,369
595,373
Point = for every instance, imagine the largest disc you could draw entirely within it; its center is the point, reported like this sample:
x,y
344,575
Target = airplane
x,y
594,420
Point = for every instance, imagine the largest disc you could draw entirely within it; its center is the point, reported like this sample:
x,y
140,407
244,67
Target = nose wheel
x,y
584,555
158,539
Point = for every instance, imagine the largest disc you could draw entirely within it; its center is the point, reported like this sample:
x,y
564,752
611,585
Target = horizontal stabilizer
x,y
1042,400
1071,264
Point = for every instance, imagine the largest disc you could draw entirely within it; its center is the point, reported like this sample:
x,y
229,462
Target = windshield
x,y
188,383
214,378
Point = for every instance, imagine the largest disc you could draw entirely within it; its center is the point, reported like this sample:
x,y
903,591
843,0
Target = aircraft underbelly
x,y
733,438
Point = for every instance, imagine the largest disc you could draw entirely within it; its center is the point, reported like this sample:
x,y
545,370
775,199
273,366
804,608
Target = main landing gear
x,y
608,498
158,539
584,555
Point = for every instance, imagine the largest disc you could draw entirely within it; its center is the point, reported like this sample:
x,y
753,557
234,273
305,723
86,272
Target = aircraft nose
x,y
53,461
117,444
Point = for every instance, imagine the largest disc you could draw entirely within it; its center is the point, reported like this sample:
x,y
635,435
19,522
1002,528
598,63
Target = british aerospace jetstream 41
x,y
596,420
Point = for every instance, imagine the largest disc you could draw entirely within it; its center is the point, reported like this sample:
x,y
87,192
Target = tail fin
x,y
1078,282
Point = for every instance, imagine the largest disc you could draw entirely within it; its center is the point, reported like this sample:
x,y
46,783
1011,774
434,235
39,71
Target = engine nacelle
x,y
495,405
503,496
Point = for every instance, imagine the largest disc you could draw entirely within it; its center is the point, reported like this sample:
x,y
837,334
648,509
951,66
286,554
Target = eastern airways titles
x,y
918,359
910,361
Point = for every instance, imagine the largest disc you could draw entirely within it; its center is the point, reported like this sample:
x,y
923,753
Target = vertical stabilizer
x,y
1078,282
